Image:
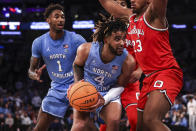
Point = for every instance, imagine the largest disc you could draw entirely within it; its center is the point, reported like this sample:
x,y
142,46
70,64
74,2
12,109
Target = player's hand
x,y
135,76
38,72
35,76
99,103
68,90
70,86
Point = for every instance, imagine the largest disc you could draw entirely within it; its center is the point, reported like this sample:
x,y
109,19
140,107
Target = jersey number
x,y
59,63
100,80
139,47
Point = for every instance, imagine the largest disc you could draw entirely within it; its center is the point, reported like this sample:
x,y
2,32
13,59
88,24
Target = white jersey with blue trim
x,y
58,55
101,75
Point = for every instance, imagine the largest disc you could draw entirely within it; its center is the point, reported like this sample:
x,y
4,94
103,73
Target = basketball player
x,y
58,49
148,34
104,63
130,95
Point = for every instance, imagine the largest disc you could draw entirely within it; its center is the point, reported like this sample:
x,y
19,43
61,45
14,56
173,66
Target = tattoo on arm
x,y
34,63
78,72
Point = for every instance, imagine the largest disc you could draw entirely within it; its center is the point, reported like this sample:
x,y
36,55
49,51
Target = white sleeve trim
x,y
157,29
112,94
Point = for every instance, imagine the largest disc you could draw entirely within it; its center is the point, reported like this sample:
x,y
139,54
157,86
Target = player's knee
x,y
147,119
113,123
81,124
150,120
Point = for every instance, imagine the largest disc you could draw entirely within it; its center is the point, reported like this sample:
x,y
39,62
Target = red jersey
x,y
150,45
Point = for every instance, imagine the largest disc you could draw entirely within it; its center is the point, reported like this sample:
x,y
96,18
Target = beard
x,y
115,52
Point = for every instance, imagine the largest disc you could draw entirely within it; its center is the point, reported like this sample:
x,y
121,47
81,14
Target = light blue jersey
x,y
101,75
58,55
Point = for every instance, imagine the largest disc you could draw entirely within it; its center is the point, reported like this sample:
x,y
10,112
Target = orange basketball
x,y
82,95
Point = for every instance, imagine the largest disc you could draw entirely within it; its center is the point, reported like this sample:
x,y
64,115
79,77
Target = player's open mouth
x,y
60,25
133,6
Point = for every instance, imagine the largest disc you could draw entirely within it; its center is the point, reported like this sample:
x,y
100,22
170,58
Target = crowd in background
x,y
19,109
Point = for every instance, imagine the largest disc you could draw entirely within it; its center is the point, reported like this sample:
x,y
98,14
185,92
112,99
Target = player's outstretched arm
x,y
33,70
115,9
79,62
128,67
156,13
159,7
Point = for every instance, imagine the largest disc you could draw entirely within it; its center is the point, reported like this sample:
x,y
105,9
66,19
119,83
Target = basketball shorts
x,y
130,95
169,82
56,102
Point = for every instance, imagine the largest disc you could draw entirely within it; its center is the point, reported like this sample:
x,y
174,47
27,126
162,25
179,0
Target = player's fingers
x,y
81,80
41,69
37,78
44,66
98,104
36,70
39,72
132,80
68,90
91,109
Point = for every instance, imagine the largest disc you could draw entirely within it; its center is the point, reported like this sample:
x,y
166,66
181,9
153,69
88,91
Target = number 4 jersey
x,y
101,75
150,46
58,55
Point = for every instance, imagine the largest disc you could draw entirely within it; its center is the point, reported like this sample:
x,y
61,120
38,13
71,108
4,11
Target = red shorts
x,y
168,81
130,95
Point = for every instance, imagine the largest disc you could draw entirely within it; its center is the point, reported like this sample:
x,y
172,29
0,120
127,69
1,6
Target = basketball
x,y
82,95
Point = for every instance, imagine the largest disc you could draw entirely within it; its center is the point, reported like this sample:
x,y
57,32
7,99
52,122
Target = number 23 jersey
x,y
150,46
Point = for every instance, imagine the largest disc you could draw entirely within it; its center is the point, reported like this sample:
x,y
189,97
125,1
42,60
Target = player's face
x,y
56,20
122,3
116,42
138,5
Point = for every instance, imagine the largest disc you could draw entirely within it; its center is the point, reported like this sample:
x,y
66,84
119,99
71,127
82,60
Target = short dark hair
x,y
107,26
51,8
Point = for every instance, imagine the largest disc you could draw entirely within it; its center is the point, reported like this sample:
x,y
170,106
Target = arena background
x,y
21,21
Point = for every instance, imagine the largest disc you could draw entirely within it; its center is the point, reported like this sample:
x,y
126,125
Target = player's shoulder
x,y
41,38
72,34
85,46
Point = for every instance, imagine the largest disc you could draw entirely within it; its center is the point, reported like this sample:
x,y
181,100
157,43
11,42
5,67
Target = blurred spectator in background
x,y
25,121
191,110
36,100
9,121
